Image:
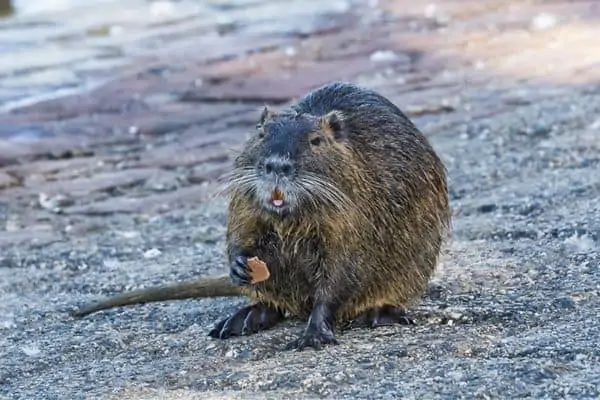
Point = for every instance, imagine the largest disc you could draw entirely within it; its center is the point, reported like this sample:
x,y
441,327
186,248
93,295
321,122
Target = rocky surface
x,y
112,189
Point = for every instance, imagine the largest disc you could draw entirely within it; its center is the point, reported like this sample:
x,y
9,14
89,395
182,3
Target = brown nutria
x,y
346,202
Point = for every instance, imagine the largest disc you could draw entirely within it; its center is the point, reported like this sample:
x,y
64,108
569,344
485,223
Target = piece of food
x,y
259,270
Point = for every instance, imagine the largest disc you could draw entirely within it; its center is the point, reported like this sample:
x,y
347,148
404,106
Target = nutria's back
x,y
367,204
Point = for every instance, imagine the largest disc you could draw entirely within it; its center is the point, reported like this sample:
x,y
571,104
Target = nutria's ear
x,y
265,115
333,125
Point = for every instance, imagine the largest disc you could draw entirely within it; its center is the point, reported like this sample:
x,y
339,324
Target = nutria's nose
x,y
278,166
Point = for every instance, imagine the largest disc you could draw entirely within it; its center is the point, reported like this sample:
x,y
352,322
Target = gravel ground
x,y
512,312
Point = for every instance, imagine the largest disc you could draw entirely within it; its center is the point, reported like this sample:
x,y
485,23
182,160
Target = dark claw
x,y
381,316
246,321
240,272
314,339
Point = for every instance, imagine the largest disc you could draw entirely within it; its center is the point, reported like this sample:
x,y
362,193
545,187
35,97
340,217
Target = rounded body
x,y
369,205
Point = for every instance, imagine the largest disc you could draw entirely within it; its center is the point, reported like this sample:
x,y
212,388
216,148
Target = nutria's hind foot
x,y
246,321
381,316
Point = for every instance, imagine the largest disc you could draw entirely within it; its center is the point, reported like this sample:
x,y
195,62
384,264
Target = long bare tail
x,y
209,287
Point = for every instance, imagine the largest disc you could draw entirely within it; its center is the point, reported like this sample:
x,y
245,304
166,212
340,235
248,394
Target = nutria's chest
x,y
290,255
293,262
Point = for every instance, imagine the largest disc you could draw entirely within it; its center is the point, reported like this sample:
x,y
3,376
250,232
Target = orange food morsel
x,y
259,270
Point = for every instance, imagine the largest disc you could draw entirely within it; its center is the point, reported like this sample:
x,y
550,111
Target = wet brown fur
x,y
381,246
385,247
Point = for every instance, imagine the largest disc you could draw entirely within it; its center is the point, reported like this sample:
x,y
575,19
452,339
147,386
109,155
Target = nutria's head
x,y
291,164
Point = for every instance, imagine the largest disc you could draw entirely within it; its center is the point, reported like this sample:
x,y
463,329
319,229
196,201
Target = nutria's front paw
x,y
239,271
313,338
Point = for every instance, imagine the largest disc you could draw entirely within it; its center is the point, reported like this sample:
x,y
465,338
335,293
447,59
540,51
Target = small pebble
x,y
543,21
162,8
581,244
54,203
31,350
128,234
7,322
232,353
383,56
290,51
487,208
564,303
152,253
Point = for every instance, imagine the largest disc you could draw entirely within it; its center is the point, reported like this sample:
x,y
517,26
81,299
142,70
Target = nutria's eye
x,y
315,141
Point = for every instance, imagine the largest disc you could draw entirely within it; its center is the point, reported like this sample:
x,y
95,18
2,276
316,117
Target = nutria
x,y
346,202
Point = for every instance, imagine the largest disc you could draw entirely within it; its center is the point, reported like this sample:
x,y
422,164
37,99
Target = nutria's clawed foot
x,y
319,330
246,321
314,338
381,316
